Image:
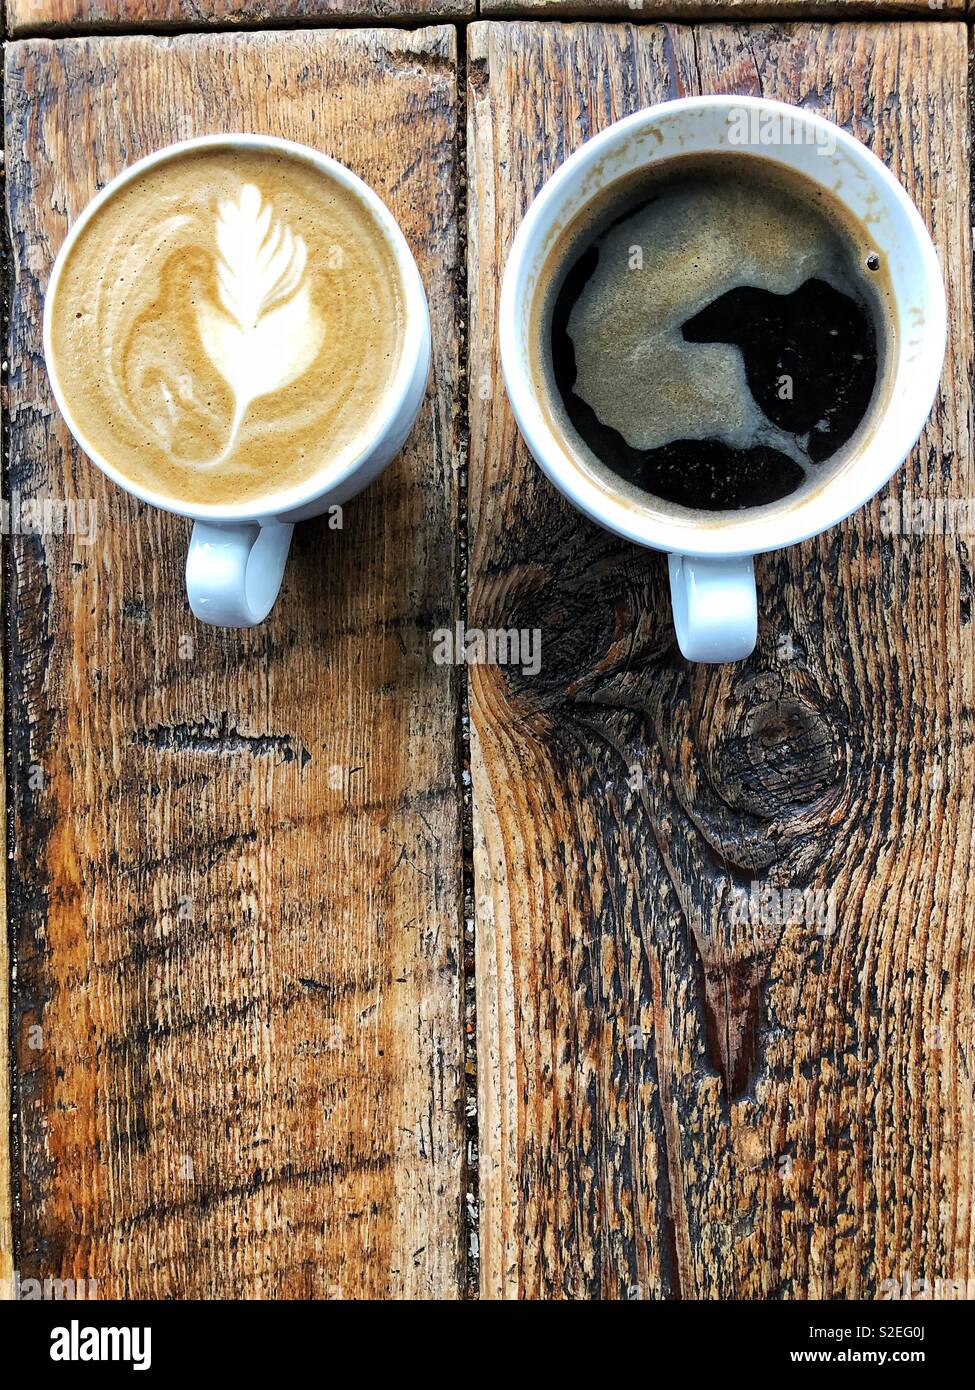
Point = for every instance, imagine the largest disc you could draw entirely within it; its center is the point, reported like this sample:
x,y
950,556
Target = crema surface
x,y
228,325
712,331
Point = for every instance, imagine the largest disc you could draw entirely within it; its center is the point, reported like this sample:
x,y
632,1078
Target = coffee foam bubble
x,y
227,324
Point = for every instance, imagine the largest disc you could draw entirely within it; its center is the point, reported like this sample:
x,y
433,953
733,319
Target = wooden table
x,y
337,972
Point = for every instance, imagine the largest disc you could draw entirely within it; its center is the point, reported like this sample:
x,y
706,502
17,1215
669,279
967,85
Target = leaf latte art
x,y
227,325
269,332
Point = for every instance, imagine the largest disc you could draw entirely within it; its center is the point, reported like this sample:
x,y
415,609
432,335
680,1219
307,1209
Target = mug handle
x,y
715,606
234,570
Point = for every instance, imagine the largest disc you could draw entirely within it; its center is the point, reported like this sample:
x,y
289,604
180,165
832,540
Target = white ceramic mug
x,y
237,553
711,561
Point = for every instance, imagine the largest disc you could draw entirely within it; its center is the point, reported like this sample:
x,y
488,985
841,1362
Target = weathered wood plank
x,y
712,10
673,1102
235,891
7,1290
64,16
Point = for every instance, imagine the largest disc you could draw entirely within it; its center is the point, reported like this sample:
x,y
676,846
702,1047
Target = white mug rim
x,y
847,491
331,477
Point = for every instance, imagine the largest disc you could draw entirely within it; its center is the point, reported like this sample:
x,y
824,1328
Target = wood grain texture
x,y
675,1101
236,883
7,1288
710,10
78,16
64,16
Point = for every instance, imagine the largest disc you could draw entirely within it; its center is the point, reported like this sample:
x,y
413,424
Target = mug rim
x,y
415,331
779,525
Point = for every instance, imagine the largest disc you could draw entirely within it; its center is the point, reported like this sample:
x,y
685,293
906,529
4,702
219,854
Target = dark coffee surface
x,y
714,341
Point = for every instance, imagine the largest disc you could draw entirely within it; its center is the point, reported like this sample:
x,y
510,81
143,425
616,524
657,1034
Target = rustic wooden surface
x,y
236,885
7,1290
706,10
672,1104
45,16
53,16
235,890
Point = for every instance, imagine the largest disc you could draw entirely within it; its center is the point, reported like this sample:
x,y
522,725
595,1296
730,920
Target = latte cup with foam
x,y
235,331
608,371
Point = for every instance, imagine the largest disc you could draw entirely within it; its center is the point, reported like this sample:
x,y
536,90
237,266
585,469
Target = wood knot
x,y
592,606
780,757
478,75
